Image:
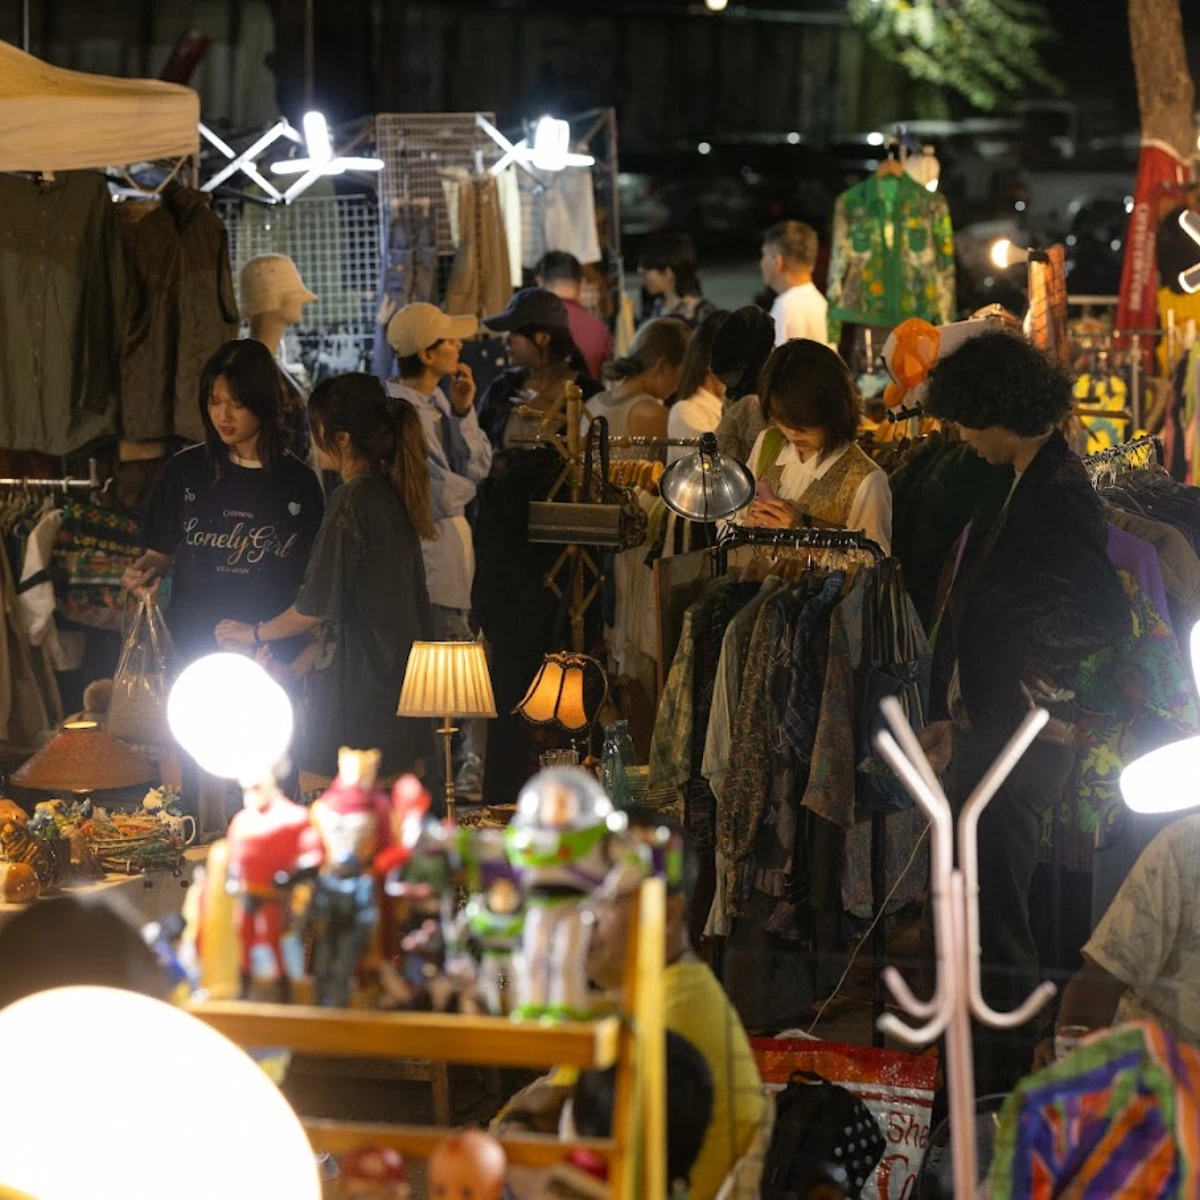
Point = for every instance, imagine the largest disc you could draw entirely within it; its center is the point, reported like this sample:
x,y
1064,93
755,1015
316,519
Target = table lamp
x,y
447,680
557,696
708,485
82,758
250,1141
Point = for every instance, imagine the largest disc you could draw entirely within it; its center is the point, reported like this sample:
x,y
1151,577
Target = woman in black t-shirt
x,y
365,585
232,521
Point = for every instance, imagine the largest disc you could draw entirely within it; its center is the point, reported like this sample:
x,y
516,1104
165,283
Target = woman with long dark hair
x,y
231,522
364,591
544,360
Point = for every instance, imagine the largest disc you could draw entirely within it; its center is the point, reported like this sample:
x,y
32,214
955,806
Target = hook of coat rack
x,y
955,896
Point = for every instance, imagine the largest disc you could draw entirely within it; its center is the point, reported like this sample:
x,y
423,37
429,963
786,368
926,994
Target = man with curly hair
x,y
1033,596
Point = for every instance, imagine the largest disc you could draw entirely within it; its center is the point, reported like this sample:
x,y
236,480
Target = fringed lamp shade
x,y
556,696
447,679
81,757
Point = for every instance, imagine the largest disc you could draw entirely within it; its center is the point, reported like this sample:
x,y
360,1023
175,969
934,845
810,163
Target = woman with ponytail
x,y
364,592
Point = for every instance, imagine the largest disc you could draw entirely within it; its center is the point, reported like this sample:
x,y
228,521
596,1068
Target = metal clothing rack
x,y
1134,455
68,483
841,541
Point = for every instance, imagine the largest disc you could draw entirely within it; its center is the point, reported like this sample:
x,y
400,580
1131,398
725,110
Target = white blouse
x,y
698,414
871,510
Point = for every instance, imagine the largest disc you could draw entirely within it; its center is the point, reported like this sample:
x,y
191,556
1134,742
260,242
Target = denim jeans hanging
x,y
407,270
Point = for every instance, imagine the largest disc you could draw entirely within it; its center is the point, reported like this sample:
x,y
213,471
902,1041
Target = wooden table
x,y
129,893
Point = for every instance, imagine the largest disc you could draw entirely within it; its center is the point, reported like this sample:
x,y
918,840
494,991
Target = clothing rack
x,y
842,540
92,483
1129,456
846,542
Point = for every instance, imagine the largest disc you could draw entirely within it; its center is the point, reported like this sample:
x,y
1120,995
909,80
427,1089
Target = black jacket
x,y
1035,594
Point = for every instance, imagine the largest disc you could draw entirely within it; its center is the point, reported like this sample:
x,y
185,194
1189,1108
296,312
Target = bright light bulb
x,y
875,139
252,1143
316,137
1001,253
716,5
551,144
793,138
231,717
704,148
1164,781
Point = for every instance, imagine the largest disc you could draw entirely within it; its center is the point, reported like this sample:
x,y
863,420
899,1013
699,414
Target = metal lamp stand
x,y
955,896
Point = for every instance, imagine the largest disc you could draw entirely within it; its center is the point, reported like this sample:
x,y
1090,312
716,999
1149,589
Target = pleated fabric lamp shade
x,y
81,757
447,679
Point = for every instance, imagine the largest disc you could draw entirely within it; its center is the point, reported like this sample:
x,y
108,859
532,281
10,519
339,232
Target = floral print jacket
x,y
892,255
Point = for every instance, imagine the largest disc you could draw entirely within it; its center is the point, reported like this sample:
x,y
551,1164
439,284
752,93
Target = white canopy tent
x,y
52,119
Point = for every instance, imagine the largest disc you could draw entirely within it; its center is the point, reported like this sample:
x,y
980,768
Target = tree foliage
x,y
986,50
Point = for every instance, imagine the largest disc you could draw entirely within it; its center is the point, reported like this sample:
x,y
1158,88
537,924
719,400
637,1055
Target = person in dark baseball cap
x,y
544,358
530,307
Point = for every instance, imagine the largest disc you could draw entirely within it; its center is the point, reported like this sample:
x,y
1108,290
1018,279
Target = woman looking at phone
x,y
809,468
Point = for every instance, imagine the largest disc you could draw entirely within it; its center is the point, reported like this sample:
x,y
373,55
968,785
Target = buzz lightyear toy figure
x,y
491,924
563,848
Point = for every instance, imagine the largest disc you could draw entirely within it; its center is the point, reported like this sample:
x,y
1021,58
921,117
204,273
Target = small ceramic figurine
x,y
352,821
489,925
559,842
471,1165
263,841
373,1173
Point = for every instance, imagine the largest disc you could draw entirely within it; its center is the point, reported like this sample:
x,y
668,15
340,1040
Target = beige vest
x,y
826,501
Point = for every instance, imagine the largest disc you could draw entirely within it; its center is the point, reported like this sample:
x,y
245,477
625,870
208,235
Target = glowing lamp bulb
x,y
551,144
1002,253
316,137
253,1144
231,717
716,5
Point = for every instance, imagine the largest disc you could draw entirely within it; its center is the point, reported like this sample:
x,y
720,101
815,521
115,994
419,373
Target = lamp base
x,y
446,733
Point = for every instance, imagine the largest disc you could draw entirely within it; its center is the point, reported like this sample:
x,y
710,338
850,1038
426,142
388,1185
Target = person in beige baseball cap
x,y
427,343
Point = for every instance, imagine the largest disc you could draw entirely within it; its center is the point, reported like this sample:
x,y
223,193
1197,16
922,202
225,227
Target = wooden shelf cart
x,y
632,1042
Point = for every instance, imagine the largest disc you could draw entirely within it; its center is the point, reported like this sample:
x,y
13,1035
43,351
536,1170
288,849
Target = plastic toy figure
x,y
490,925
263,841
560,843
373,1173
471,1165
352,821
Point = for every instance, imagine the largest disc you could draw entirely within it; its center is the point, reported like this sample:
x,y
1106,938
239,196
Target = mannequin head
x,y
273,297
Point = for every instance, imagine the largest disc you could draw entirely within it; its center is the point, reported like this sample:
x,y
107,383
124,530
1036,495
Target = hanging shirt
x,y
690,418
65,303
460,457
240,543
870,506
591,335
801,312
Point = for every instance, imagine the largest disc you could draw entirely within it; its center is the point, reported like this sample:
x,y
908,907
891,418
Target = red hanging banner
x,y
1160,170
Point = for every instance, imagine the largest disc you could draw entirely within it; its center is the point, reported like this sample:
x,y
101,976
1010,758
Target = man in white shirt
x,y
789,252
427,343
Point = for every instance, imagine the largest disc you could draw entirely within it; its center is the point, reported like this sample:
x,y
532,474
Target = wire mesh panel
x,y
426,152
334,242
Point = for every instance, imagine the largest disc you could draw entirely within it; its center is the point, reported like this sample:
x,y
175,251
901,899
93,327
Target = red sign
x,y
1159,169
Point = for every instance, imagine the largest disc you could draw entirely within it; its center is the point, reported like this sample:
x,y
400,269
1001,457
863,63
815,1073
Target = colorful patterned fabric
x,y
1119,1117
892,255
93,549
1133,698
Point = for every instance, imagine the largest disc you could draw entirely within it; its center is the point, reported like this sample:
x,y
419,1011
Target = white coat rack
x,y
955,892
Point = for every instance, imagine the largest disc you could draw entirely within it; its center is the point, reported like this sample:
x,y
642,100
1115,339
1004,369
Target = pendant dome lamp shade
x,y
708,485
81,757
1167,780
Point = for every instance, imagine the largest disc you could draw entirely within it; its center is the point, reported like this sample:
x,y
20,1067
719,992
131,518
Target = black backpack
x,y
823,1134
